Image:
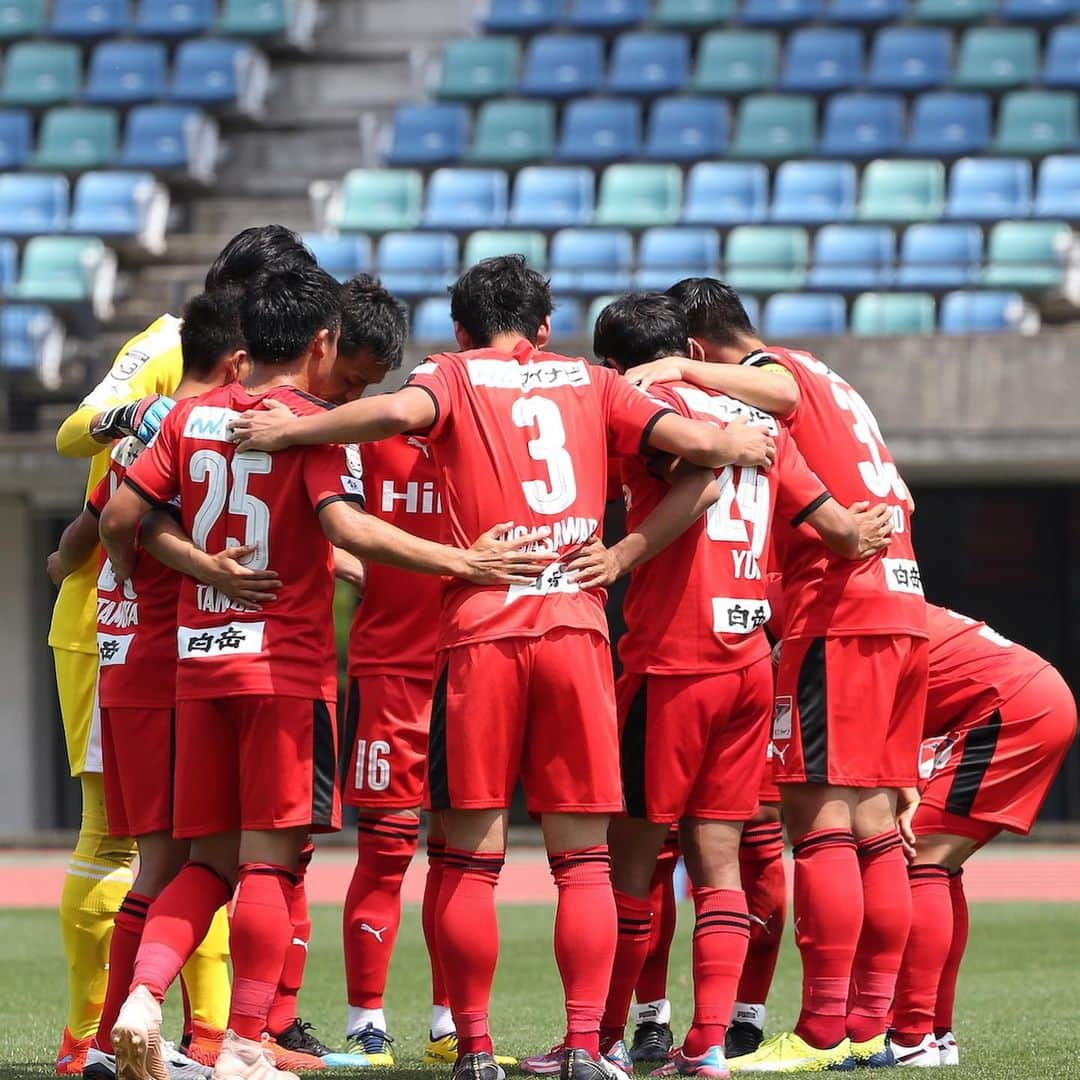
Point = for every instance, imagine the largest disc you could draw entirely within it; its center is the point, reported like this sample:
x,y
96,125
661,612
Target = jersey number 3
x,y
549,446
213,469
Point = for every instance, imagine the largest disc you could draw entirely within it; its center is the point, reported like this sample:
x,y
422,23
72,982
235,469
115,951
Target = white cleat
x,y
923,1056
243,1059
947,1048
136,1038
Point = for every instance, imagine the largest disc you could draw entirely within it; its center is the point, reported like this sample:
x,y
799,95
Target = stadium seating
x,y
1061,67
774,126
170,138
812,192
852,257
985,189
649,64
89,18
75,138
781,12
878,314
862,125
909,58
693,14
566,318
32,204
126,73
487,243
41,73
997,57
1058,191
511,132
1027,254
599,130
415,263
32,338
590,260
1037,122
902,191
21,18
934,256
521,16
466,198
866,12
687,129
431,321
9,260
342,256
378,200
290,21
666,255
121,205
563,65
795,315
736,62
174,18
726,193
220,73
16,138
68,270
606,15
946,124
971,312
1037,10
475,68
820,60
638,195
553,196
767,258
429,134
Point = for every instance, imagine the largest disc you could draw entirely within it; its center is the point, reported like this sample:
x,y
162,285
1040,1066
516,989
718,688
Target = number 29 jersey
x,y
271,502
524,438
824,593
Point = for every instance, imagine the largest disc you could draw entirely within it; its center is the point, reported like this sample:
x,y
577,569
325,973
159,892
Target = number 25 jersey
x,y
269,501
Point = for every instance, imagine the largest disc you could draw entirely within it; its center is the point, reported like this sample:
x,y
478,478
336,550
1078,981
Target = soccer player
x,y
524,684
851,690
130,401
696,692
999,721
255,733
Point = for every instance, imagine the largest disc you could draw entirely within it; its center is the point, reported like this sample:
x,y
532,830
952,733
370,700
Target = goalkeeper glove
x,y
140,418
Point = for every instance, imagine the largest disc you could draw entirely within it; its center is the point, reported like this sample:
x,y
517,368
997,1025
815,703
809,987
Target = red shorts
x,y
769,791
542,709
997,769
693,746
137,760
387,722
255,762
849,710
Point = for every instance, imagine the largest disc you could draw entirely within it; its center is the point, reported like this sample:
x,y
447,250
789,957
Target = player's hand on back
x,y
907,804
753,446
227,573
666,369
593,565
496,559
875,527
267,428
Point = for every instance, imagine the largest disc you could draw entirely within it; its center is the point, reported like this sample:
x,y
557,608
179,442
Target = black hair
x,y
501,295
714,311
252,251
210,330
283,310
374,320
640,327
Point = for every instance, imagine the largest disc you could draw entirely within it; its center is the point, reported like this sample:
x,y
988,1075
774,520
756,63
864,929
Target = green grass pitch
x,y
1018,1009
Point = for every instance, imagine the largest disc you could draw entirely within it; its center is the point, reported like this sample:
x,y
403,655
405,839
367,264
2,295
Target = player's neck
x,y
507,343
190,388
264,377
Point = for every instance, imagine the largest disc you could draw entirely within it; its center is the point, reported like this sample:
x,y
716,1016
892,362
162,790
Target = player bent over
x,y
255,731
523,685
999,721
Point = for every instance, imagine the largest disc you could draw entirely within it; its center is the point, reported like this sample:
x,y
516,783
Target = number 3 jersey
x,y
699,605
271,502
524,438
841,441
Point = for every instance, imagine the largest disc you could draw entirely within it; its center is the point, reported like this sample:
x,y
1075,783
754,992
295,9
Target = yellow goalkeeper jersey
x,y
150,363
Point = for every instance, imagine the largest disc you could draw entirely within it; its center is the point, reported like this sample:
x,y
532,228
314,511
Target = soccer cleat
x,y
205,1043
298,1038
619,1056
710,1064
924,1055
874,1053
947,1049
550,1064
290,1060
742,1038
652,1042
787,1052
244,1059
477,1067
136,1038
99,1065
374,1044
575,1064
71,1056
102,1066
444,1051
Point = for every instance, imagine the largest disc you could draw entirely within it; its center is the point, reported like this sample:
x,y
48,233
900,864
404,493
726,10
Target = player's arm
x,y
351,570
855,533
77,544
709,445
118,527
770,387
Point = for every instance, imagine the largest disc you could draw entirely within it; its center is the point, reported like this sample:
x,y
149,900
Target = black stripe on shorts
x,y
813,713
438,776
979,747
323,764
632,752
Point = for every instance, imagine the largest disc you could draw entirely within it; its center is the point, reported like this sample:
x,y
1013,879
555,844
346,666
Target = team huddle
x,y
780,669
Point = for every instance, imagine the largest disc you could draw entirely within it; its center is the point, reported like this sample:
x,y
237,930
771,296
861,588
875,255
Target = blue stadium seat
x,y
567,319
984,189
866,12
113,204
521,16
814,192
432,134
9,265
21,18
1061,66
466,199
1058,190
164,137
32,203
552,196
414,263
668,255
862,125
591,260
16,138
687,129
563,65
853,257
793,315
726,193
90,18
606,15
431,321
781,12
209,72
600,129
30,337
936,256
821,60
174,18
972,312
909,58
342,256
126,72
947,124
649,64
1028,11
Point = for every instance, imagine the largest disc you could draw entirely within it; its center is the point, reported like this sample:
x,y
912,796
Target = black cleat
x,y
581,1065
742,1038
477,1067
299,1038
652,1042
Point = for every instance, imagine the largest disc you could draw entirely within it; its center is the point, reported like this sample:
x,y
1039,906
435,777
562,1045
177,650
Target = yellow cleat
x,y
444,1051
787,1052
875,1053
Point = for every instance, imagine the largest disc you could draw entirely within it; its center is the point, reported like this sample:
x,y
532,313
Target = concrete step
x,y
222,217
380,23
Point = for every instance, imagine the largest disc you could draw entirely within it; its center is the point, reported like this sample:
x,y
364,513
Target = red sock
x,y
259,934
885,929
127,933
468,932
585,933
283,1011
176,923
943,1014
927,947
384,848
828,917
761,867
652,982
721,937
432,887
635,919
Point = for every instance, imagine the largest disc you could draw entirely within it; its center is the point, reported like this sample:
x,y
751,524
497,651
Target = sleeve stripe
x,y
93,510
323,503
434,401
806,511
647,431
145,495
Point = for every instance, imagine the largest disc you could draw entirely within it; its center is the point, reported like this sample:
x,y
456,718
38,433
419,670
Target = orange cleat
x,y
205,1043
71,1057
293,1060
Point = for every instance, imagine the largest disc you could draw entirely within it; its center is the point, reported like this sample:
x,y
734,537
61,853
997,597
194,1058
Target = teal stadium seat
x,y
59,269
42,73
488,243
1027,254
736,62
877,314
21,18
902,191
476,68
953,11
1036,122
637,195
254,18
997,57
377,200
693,14
510,132
77,138
767,258
775,126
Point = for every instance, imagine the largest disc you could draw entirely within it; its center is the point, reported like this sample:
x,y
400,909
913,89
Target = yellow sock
x,y
206,976
98,878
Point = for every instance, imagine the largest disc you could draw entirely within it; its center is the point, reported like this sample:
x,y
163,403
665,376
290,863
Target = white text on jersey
x,y
417,498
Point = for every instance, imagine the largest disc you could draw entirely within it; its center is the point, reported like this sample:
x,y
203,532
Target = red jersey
x,y
841,441
396,624
524,437
270,501
973,669
699,606
136,621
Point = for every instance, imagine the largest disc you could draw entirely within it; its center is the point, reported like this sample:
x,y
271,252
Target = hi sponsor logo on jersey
x,y
210,423
414,498
231,639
